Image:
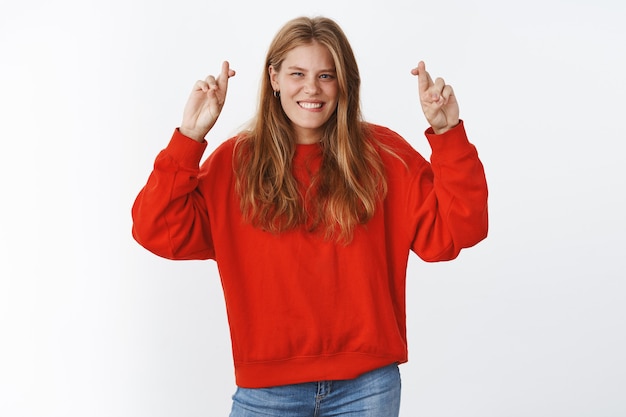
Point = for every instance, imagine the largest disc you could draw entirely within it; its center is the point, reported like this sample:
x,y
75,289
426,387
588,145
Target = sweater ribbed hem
x,y
310,369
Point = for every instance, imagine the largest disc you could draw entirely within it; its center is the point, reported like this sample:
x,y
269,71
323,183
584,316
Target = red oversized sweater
x,y
302,308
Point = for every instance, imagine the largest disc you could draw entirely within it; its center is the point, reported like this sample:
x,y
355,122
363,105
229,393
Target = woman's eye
x,y
326,76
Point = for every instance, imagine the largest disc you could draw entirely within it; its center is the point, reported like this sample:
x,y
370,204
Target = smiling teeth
x,y
311,105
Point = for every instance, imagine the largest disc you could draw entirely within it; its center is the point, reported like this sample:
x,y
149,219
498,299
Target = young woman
x,y
311,214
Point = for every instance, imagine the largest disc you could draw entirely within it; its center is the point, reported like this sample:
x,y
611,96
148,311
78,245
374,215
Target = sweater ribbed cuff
x,y
186,151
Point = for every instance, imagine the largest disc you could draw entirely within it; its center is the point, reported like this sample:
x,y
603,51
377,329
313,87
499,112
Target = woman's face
x,y
308,87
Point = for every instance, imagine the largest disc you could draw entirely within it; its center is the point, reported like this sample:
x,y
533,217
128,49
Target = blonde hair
x,y
351,180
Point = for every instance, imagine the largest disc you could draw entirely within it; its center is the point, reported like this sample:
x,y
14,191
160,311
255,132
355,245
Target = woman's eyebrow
x,y
296,68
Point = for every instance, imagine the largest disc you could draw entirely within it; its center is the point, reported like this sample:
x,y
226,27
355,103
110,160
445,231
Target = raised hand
x,y
438,100
205,104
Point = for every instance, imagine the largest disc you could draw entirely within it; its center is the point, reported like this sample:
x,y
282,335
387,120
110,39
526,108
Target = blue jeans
x,y
373,394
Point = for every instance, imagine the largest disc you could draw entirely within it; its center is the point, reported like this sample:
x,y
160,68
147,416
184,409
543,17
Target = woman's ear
x,y
273,74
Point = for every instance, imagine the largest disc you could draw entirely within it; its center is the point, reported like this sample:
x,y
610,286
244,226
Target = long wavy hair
x,y
351,179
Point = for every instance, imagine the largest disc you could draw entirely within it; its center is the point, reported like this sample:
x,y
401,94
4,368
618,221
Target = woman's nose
x,y
311,85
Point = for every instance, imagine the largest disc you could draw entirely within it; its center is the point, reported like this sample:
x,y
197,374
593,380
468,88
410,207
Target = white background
x,y
531,322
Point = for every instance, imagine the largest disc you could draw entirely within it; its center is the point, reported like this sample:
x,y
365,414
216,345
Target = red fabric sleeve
x,y
453,211
170,218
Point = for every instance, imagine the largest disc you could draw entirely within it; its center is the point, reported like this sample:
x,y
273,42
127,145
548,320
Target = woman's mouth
x,y
310,105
